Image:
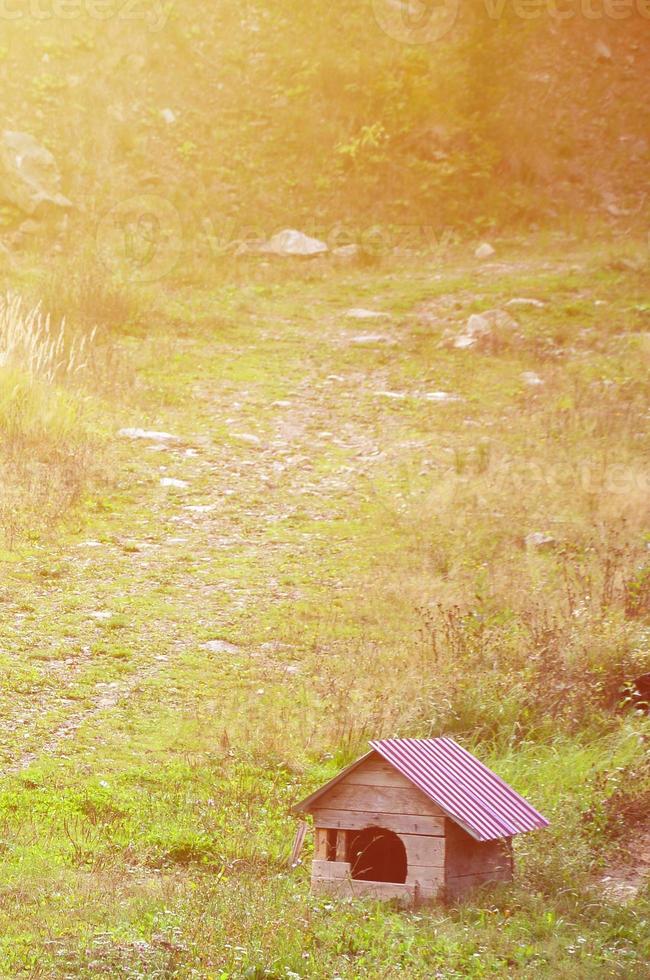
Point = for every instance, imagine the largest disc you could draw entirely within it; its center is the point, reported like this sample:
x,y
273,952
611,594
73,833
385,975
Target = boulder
x,y
481,328
294,243
539,541
485,251
29,176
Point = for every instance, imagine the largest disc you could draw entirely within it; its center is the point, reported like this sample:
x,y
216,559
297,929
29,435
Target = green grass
x,y
366,559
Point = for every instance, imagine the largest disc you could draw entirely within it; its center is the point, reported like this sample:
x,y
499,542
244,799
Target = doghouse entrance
x,y
377,855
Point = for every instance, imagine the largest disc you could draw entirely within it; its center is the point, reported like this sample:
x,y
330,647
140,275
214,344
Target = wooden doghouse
x,y
415,819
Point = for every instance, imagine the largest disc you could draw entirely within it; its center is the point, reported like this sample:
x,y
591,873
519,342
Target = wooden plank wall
x,y
375,794
470,863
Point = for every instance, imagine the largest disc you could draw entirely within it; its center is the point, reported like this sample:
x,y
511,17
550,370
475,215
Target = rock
x,y
602,51
247,437
440,396
29,227
481,326
168,481
531,379
151,436
485,251
521,301
369,339
201,508
463,341
539,540
362,314
220,646
346,254
29,176
294,243
168,115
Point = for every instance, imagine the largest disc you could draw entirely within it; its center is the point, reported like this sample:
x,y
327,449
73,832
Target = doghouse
x,y
415,819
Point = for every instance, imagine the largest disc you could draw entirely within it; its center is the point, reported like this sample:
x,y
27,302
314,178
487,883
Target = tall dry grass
x,y
48,440
30,341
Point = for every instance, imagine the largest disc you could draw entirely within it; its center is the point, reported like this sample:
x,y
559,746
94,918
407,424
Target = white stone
x,y
168,481
151,436
294,243
359,313
531,379
440,396
346,253
523,301
539,540
220,646
463,341
246,437
485,251
367,339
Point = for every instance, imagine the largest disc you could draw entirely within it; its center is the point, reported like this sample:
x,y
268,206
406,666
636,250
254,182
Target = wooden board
x,y
400,823
424,851
466,856
432,879
320,845
331,869
376,772
379,799
462,885
381,890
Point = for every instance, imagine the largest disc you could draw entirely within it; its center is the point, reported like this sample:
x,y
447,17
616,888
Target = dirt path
x,y
182,507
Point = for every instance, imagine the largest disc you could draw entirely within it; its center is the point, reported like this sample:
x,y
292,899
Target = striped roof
x,y
470,794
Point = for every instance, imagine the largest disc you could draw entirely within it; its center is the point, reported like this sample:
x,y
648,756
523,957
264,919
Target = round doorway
x,y
376,854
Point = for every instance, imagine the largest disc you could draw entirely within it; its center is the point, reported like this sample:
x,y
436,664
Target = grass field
x,y
357,542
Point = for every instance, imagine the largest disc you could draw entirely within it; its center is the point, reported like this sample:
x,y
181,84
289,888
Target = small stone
x,y
246,437
168,481
151,436
346,254
220,646
362,314
168,115
440,396
531,379
294,243
539,540
478,325
523,301
485,251
463,341
602,51
369,339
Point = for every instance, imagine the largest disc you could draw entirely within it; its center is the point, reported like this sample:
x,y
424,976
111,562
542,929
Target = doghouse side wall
x,y
469,862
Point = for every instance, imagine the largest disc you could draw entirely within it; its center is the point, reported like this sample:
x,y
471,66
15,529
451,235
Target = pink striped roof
x,y
470,793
